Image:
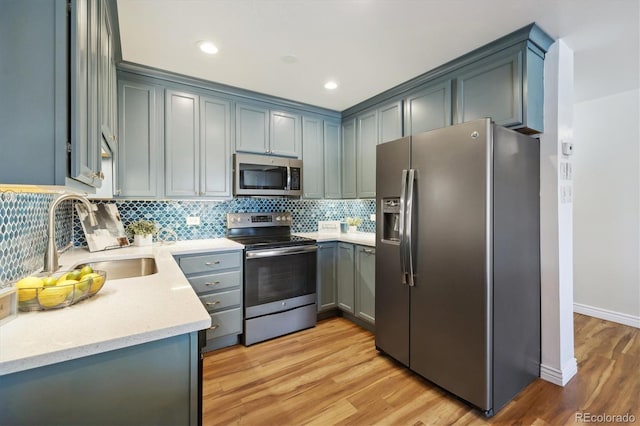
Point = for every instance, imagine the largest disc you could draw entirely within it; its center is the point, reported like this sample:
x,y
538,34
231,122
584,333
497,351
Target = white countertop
x,y
125,312
362,238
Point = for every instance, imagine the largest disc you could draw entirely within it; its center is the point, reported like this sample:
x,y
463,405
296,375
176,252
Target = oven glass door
x,y
271,277
260,176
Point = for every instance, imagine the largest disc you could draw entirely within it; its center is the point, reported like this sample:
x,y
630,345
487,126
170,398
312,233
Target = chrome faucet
x,y
51,253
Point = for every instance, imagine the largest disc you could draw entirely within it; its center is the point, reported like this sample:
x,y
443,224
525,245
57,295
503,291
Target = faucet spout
x,y
51,252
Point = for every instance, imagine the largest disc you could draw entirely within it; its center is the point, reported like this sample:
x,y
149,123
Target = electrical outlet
x,y
372,217
193,220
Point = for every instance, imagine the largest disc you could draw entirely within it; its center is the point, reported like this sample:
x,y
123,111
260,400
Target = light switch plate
x,y
193,220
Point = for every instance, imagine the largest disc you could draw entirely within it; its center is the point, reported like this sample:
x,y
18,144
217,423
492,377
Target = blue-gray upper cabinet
x,y
263,131
390,122
312,157
197,146
252,128
332,164
139,141
506,86
366,141
428,109
286,134
215,147
182,145
348,155
50,96
107,85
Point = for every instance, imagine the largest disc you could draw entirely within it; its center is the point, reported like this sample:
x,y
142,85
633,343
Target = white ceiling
x,y
368,46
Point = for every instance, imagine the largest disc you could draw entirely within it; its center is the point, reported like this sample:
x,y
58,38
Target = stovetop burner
x,y
263,230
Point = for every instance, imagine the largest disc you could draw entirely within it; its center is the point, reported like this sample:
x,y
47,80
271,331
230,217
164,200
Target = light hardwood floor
x,y
332,374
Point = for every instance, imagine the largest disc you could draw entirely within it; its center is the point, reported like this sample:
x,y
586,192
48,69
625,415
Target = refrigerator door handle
x,y
403,199
409,223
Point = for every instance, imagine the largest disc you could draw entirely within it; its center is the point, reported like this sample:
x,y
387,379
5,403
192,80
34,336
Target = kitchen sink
x,y
124,268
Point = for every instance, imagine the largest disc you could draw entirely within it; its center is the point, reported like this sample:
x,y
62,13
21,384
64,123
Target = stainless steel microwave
x,y
258,175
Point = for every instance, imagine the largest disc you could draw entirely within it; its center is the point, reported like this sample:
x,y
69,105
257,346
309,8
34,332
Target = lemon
x,y
73,275
84,284
27,288
53,296
62,277
97,281
86,270
49,281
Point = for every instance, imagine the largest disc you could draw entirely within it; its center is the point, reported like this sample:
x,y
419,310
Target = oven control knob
x,y
278,218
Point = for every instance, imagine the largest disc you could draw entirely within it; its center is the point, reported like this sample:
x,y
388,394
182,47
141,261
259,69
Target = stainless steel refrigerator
x,y
457,259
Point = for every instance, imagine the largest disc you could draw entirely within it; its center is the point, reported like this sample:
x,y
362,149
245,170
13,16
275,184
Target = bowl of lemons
x,y
58,290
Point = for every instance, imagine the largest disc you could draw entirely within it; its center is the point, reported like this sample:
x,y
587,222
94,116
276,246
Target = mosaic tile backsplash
x,y
23,222
173,214
23,232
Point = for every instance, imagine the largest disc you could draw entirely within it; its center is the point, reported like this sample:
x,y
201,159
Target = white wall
x,y
558,364
607,207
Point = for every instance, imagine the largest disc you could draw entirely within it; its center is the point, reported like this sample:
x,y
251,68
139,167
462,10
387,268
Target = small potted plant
x,y
142,231
353,223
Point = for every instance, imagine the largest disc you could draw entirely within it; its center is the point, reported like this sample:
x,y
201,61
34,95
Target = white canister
x,y
142,240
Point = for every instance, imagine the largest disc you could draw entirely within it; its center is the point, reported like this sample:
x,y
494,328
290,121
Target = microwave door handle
x,y
288,188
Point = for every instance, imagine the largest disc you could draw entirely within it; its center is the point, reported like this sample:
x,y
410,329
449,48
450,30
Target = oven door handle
x,y
282,251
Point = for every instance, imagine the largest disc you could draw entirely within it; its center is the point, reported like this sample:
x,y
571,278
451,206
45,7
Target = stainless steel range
x,y
279,275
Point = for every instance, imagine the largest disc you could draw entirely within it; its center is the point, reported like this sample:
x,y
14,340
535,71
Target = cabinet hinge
x,y
69,6
69,147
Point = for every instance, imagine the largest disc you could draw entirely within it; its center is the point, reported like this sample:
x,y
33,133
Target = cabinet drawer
x,y
226,322
215,302
210,262
206,283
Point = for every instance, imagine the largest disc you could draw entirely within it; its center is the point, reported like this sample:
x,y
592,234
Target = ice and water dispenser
x,y
391,219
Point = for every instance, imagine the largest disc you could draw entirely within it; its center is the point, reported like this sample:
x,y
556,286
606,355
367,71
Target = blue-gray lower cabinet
x,y
346,277
355,279
365,285
216,278
151,383
327,276
140,139
428,109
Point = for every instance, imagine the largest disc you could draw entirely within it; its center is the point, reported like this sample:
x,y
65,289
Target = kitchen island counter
x,y
126,312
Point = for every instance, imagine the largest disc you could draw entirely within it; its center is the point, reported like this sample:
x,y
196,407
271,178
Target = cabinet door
x,y
349,159
365,283
106,76
313,158
428,109
285,134
252,129
138,147
85,141
326,276
390,122
215,147
332,169
182,144
366,141
346,283
492,88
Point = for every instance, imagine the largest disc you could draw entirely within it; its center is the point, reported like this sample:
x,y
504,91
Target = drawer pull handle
x,y
212,303
213,283
217,262
369,251
213,327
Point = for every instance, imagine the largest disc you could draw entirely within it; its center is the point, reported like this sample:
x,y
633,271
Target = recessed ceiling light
x,y
289,59
208,47
331,85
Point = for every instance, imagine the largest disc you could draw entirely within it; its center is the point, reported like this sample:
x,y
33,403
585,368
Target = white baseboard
x,y
559,377
605,314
